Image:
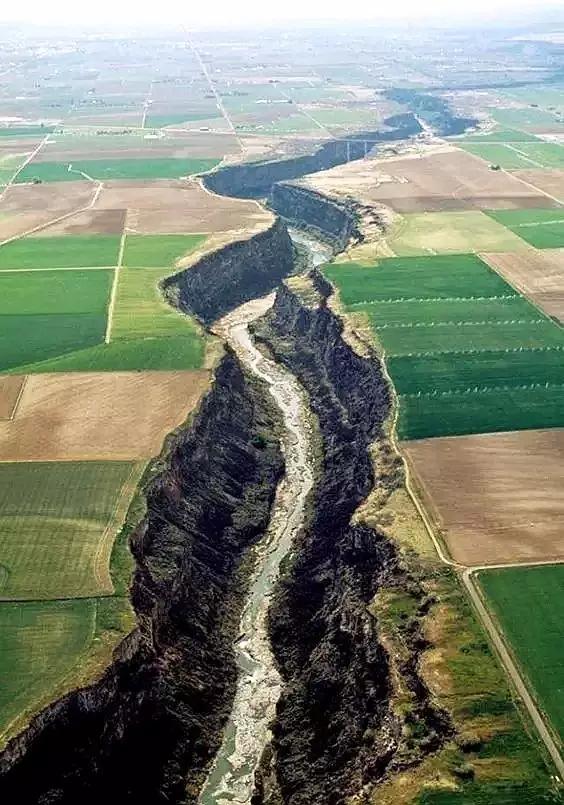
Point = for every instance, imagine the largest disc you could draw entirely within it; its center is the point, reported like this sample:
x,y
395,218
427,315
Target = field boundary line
x,y
18,400
30,158
102,556
113,294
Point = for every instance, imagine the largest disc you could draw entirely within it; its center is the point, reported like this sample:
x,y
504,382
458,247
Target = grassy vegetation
x,y
133,354
519,156
528,604
53,516
543,229
64,251
25,131
440,277
49,313
530,119
155,251
451,310
450,232
490,337
454,371
104,169
500,154
40,644
26,339
480,412
140,310
500,135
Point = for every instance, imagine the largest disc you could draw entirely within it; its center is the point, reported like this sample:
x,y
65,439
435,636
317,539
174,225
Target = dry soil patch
x,y
447,180
497,497
94,416
10,390
537,274
24,207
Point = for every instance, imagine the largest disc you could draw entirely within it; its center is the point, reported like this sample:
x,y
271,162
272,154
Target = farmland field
x,y
126,355
495,497
47,313
53,518
481,412
63,251
454,232
538,274
41,643
95,416
528,605
158,250
432,277
430,311
104,169
519,156
529,119
499,135
140,310
543,229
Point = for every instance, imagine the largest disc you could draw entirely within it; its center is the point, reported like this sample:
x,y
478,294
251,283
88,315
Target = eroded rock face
x,y
332,220
255,180
150,726
226,278
335,729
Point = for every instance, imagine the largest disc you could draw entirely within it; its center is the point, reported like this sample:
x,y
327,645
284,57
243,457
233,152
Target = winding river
x,y
231,779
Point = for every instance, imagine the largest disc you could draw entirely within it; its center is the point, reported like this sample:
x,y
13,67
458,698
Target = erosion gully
x,y
246,734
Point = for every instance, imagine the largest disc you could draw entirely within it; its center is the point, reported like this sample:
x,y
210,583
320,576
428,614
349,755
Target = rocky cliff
x,y
335,729
150,725
224,279
256,179
330,219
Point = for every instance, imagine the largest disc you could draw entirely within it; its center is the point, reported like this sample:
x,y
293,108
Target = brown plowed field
x,y
27,206
441,181
537,274
169,207
551,181
10,390
496,497
99,415
91,222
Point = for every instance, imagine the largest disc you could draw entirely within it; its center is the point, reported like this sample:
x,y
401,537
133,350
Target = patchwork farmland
x,y
96,369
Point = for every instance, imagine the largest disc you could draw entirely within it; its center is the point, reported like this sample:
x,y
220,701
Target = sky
x,y
242,12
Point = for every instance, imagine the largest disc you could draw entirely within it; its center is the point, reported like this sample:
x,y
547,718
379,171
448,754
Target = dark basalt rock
x,y
334,730
241,271
150,725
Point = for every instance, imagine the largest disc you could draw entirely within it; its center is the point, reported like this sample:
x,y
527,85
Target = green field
x,y
481,412
528,604
519,156
105,169
126,355
50,313
140,310
450,232
39,644
530,119
430,277
448,310
543,229
457,371
64,251
154,251
52,518
160,121
501,154
499,135
25,131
